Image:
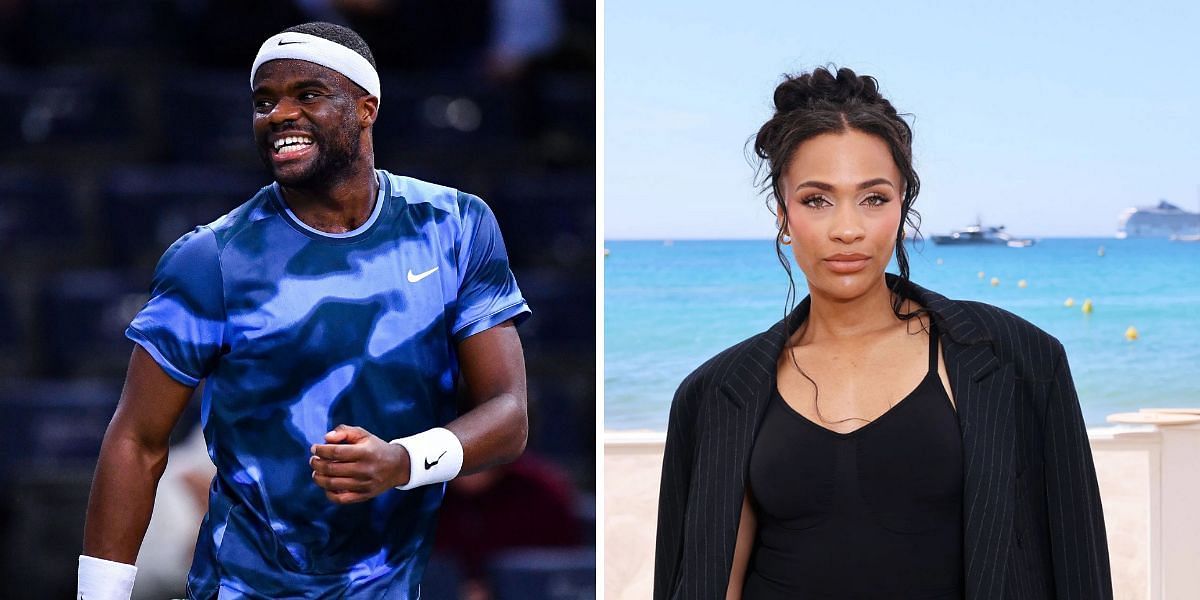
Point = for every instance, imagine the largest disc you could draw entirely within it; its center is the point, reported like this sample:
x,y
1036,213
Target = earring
x,y
785,239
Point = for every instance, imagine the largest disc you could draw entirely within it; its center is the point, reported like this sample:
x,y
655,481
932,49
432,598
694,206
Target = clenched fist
x,y
354,465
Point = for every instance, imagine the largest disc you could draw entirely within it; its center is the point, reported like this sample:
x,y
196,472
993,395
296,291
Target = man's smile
x,y
291,143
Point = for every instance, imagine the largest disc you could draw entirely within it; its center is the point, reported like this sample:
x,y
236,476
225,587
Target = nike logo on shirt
x,y
419,276
283,43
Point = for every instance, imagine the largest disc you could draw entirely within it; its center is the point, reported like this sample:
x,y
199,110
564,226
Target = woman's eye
x,y
814,201
876,200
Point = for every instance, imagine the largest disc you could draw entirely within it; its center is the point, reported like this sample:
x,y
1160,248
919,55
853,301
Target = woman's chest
x,y
845,388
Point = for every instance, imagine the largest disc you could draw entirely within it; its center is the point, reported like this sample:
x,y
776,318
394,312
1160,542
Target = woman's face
x,y
843,194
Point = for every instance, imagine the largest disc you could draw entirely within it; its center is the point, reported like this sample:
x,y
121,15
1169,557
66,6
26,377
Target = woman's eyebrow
x,y
873,182
821,185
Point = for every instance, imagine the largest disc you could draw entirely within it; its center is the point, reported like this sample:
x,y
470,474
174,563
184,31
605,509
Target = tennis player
x,y
330,318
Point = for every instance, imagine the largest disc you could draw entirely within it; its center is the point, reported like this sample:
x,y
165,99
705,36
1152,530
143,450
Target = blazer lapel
x,y
984,391
731,423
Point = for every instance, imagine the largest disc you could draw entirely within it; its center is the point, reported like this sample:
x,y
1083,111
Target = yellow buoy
x,y
1069,303
1021,283
995,281
981,274
1131,333
1087,306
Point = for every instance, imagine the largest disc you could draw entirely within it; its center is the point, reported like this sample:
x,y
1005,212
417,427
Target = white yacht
x,y
978,234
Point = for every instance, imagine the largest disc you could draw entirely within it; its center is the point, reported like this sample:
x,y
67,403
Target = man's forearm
x,y
122,498
353,465
492,433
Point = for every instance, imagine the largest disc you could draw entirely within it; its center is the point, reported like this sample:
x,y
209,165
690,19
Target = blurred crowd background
x,y
125,123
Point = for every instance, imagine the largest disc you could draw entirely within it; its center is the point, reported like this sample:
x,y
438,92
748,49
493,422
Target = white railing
x,y
1169,441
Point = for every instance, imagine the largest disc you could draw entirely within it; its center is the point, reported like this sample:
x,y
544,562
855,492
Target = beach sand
x,y
633,463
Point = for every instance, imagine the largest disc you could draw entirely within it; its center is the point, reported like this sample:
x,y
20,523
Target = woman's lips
x,y
846,266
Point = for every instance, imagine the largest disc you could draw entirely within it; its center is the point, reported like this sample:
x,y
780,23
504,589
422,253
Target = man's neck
x,y
339,206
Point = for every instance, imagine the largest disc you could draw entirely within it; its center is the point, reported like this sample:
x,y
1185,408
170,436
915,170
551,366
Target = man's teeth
x,y
291,144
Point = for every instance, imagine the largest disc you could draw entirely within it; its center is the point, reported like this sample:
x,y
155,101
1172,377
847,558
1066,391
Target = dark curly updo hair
x,y
811,104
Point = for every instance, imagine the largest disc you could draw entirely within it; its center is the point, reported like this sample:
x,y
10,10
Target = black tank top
x,y
874,513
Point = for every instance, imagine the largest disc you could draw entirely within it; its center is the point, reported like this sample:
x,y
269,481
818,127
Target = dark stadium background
x,y
127,122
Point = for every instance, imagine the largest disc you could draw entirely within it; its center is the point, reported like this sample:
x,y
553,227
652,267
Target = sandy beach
x,y
633,462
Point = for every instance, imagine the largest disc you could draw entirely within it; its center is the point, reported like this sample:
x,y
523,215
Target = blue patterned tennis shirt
x,y
295,331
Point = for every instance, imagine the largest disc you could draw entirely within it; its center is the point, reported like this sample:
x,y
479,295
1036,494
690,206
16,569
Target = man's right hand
x,y
355,465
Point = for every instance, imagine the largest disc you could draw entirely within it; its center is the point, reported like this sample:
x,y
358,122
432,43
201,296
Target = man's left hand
x,y
354,465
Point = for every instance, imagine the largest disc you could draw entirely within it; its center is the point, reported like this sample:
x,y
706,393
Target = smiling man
x,y
331,313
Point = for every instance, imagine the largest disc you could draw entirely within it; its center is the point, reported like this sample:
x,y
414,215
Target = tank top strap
x,y
933,345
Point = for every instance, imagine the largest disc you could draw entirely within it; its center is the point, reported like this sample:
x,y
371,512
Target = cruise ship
x,y
1164,221
978,234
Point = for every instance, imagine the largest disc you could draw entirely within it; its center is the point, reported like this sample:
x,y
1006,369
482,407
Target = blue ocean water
x,y
671,306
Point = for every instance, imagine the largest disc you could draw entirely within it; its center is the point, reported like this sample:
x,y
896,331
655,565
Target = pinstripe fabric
x,y
1033,526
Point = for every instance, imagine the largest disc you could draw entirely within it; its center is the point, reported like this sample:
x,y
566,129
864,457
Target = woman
x,y
881,441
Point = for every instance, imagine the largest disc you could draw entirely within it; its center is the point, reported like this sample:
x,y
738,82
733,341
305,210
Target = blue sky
x,y
1048,119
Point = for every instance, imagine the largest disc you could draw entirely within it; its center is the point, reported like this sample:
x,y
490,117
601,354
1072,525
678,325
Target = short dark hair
x,y
825,101
337,34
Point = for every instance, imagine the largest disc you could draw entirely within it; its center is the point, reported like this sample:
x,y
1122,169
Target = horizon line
x,y
767,239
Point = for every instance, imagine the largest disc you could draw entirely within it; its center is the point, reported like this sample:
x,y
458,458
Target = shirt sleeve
x,y
182,325
487,290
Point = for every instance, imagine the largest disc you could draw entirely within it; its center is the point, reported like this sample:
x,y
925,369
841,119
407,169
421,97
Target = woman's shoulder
x,y
1015,339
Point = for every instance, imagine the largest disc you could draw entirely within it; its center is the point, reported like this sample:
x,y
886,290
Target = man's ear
x,y
368,110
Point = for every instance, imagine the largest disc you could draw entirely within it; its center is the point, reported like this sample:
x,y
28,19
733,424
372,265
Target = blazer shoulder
x,y
713,372
1034,352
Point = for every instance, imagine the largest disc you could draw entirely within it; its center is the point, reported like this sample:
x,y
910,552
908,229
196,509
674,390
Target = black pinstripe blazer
x,y
1033,526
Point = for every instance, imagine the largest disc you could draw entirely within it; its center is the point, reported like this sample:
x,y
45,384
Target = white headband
x,y
332,55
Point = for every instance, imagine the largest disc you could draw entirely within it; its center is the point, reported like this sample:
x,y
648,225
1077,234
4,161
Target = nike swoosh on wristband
x,y
429,465
419,276
283,43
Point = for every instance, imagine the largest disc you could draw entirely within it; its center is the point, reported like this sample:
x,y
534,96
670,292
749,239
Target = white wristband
x,y
101,579
434,456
